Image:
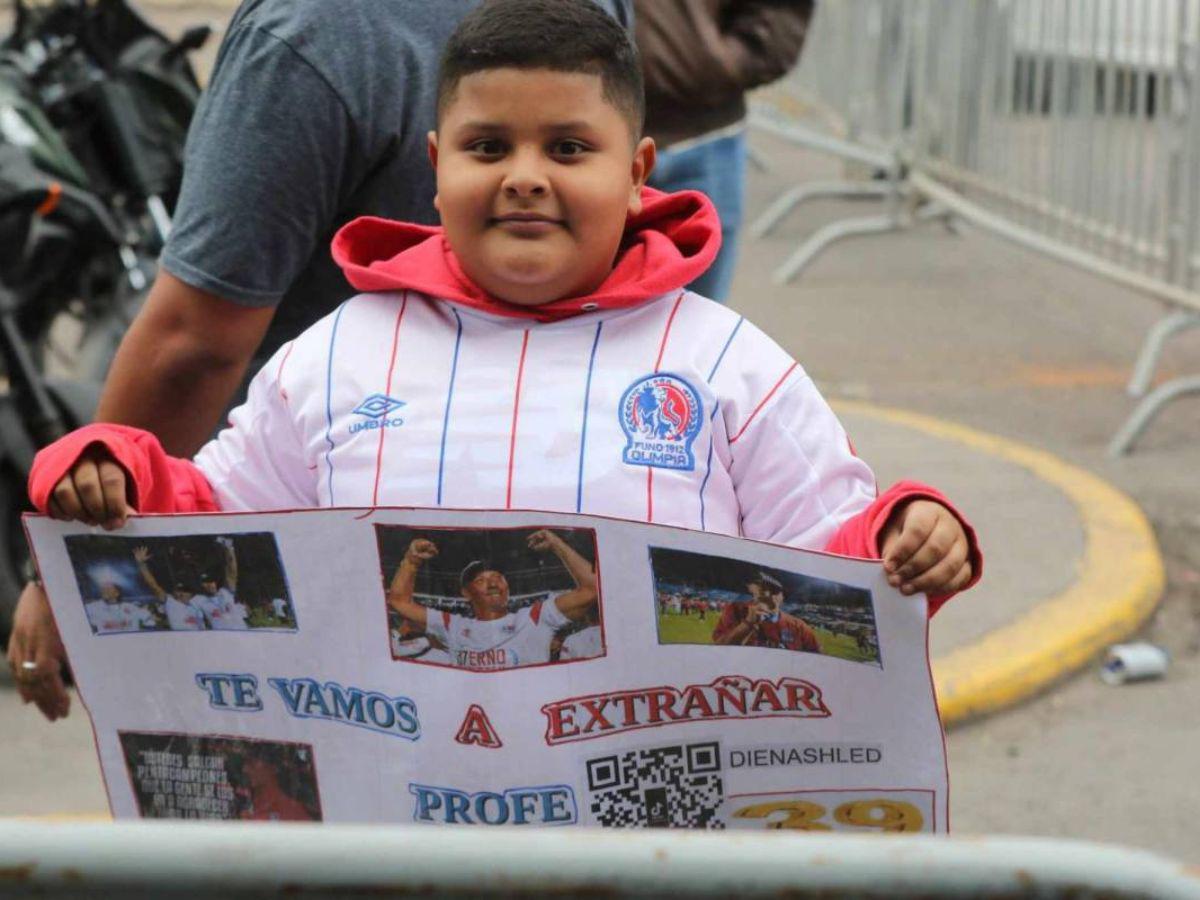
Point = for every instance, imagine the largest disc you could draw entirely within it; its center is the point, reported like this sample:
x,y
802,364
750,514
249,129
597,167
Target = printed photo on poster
x,y
200,582
190,776
713,600
488,599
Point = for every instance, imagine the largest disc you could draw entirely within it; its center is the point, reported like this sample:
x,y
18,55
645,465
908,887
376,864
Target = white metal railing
x,y
1071,127
219,859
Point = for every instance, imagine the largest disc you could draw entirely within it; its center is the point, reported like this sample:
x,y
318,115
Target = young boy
x,y
536,352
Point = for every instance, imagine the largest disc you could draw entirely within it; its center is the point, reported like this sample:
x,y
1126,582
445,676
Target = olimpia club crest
x,y
661,415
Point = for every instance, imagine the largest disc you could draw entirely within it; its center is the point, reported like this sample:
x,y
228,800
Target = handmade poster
x,y
437,667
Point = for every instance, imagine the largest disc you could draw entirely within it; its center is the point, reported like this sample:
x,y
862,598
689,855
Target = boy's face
x,y
536,174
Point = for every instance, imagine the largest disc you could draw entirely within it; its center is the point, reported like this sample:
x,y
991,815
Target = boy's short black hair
x,y
561,35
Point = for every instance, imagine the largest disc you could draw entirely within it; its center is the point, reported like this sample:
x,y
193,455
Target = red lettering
x,y
695,698
596,711
560,717
661,700
729,697
627,702
477,729
764,693
802,694
734,695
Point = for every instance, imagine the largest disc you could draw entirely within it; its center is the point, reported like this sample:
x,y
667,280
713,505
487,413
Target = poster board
x,y
437,667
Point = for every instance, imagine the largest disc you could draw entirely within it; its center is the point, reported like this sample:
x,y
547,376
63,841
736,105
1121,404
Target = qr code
x,y
663,787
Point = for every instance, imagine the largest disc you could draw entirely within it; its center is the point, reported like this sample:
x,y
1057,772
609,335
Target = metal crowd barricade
x,y
220,859
862,110
1071,127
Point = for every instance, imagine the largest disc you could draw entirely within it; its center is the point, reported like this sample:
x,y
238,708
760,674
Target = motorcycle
x,y
94,109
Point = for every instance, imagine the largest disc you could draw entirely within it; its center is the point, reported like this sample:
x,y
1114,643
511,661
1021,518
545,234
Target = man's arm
x,y
575,603
730,630
181,360
231,567
400,592
142,554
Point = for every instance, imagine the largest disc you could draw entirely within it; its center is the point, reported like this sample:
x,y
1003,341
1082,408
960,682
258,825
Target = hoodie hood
x,y
672,241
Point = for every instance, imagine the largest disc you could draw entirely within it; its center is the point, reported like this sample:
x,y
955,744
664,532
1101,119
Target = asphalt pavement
x,y
999,376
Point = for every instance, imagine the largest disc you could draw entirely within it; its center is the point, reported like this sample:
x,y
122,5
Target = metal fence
x,y
1071,127
218,859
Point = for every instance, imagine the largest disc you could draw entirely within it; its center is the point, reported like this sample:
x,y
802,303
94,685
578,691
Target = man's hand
x,y
141,554
93,492
756,612
35,640
420,550
542,540
925,550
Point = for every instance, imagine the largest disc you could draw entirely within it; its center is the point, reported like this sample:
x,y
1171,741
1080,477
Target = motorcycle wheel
x,y
13,549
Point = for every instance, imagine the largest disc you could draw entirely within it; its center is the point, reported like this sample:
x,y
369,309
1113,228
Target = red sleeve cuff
x,y
860,535
158,483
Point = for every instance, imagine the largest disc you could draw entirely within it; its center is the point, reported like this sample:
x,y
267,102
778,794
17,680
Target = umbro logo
x,y
377,409
378,405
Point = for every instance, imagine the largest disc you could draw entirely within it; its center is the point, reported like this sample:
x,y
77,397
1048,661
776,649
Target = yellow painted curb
x,y
1119,584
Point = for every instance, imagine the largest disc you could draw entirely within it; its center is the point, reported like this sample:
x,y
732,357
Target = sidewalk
x,y
972,333
1071,564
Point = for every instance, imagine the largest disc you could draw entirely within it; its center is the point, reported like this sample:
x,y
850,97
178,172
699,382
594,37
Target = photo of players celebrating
x,y
190,776
190,583
704,599
491,598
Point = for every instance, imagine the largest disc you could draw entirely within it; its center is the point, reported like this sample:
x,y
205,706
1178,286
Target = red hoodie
x,y
668,244
671,242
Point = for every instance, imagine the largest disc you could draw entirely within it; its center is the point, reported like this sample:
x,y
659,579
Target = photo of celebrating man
x,y
490,599
195,582
712,600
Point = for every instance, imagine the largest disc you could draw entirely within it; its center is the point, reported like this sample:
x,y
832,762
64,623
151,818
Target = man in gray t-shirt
x,y
316,112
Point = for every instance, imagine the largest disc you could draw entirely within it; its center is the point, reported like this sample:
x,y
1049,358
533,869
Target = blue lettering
x,y
214,683
554,805
524,806
344,708
374,704
242,688
316,701
457,805
306,699
290,692
245,692
372,424
481,810
428,800
549,805
406,717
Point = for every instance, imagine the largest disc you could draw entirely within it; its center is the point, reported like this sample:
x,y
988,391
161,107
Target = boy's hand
x,y
925,550
93,492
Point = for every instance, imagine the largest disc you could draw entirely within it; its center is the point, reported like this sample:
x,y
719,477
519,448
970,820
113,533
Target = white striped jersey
x,y
520,638
124,616
676,412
